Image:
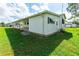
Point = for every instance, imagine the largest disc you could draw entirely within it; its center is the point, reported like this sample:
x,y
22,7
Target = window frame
x,y
50,21
63,21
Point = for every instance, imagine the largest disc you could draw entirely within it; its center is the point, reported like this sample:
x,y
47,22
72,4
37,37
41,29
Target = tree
x,y
2,24
72,8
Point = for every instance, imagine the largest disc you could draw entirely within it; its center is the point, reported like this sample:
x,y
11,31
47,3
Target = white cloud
x,y
24,10
44,7
35,7
10,10
68,15
7,11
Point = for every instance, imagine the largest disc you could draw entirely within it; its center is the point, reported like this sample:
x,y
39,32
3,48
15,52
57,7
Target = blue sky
x,y
15,11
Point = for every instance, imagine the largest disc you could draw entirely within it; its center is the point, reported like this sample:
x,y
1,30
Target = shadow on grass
x,y
34,45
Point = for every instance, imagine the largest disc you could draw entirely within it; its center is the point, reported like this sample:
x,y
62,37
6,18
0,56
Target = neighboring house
x,y
21,24
16,24
45,22
70,22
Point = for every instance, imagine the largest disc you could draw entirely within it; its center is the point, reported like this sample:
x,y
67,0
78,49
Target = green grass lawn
x,y
5,47
59,44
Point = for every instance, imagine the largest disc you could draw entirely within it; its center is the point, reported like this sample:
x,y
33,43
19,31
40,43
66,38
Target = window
x,y
50,21
62,21
27,23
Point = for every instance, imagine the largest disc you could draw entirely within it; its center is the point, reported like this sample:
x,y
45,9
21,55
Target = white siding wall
x,y
36,24
39,24
51,28
63,25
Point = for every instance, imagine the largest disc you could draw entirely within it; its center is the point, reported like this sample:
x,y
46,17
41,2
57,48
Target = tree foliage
x,y
2,24
72,8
